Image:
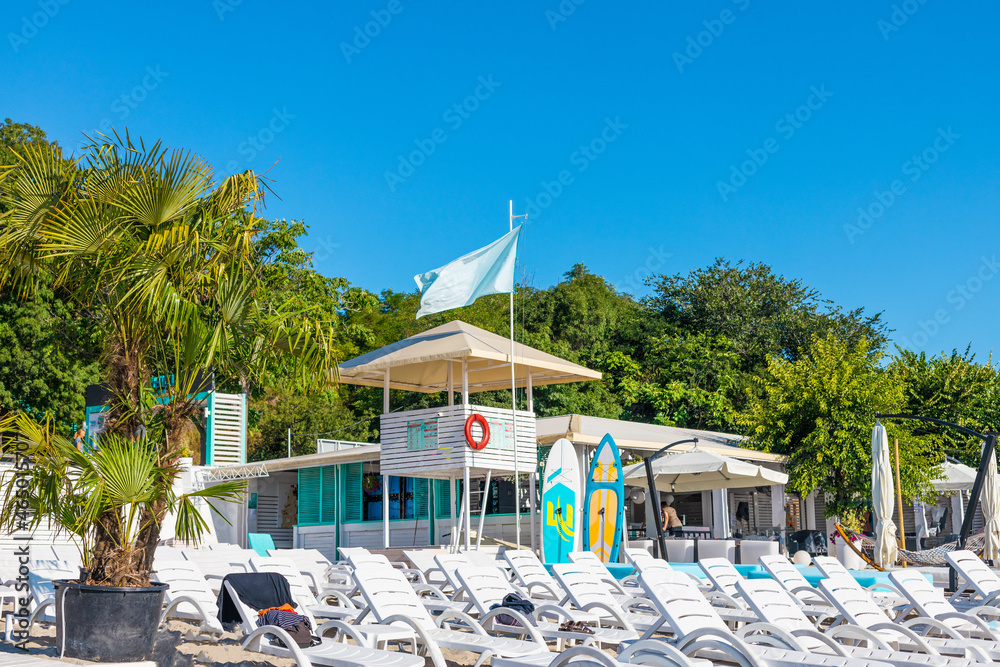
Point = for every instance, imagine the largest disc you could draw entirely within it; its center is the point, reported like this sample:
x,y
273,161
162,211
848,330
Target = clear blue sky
x,y
249,83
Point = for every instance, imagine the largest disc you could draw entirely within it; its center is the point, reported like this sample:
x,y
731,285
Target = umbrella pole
x,y
655,497
899,501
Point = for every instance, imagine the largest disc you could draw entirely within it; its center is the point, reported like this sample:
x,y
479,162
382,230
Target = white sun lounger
x,y
777,607
883,594
872,623
189,596
328,654
392,600
531,575
591,594
697,627
791,579
649,652
487,586
983,582
724,576
929,601
320,573
589,559
344,609
431,596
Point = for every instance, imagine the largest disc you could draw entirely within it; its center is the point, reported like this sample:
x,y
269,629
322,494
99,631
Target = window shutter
x,y
420,493
442,498
328,497
352,492
310,483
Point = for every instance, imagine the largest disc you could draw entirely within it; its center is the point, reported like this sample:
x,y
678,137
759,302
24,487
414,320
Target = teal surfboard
x,y
561,497
604,502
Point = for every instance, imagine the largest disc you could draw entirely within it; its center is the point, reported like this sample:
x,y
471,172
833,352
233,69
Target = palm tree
x,y
163,258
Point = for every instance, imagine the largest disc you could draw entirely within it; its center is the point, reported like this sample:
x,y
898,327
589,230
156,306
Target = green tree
x,y
819,411
952,387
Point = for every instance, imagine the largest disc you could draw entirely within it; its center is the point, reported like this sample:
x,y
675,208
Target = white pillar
x,y
809,511
454,514
533,505
451,383
778,507
720,513
385,511
465,383
957,512
531,400
385,392
468,506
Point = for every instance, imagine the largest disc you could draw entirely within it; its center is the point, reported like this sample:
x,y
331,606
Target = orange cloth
x,y
284,607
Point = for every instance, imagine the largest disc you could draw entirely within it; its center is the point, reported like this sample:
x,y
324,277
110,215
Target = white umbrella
x,y
883,497
954,477
700,470
991,510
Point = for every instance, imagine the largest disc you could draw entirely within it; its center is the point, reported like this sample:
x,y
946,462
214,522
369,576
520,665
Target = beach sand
x,y
179,644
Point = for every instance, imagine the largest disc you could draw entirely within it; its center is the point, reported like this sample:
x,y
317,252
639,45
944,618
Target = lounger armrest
x,y
527,625
988,611
220,577
208,618
615,584
341,627
991,599
747,632
854,633
616,614
450,614
542,610
252,643
39,610
653,648
815,593
929,623
241,566
544,586
882,586
908,633
421,589
716,639
630,602
973,620
433,650
593,655
340,597
699,582
728,600
819,636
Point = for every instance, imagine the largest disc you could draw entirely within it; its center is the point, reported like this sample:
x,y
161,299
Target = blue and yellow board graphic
x,y
604,500
560,503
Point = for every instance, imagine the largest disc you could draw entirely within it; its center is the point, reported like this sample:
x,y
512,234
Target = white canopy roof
x,y
955,477
420,362
700,470
581,429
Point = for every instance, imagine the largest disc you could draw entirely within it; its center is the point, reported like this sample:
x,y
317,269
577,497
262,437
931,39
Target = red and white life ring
x,y
481,444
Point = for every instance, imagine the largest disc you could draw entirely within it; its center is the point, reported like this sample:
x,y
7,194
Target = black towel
x,y
260,590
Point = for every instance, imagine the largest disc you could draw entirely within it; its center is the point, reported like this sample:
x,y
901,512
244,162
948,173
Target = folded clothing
x,y
282,618
258,590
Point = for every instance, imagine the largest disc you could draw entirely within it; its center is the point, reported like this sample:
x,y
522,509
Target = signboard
x,y
501,434
95,423
421,435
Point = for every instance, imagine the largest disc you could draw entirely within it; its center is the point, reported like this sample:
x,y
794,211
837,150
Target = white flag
x,y
489,270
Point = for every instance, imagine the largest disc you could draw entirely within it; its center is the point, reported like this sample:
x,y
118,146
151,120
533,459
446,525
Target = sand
x,y
179,644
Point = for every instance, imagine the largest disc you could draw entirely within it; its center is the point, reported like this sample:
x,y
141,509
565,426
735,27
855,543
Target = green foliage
x,y
819,411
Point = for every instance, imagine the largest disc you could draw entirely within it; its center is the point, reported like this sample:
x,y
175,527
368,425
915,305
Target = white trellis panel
x,y
228,429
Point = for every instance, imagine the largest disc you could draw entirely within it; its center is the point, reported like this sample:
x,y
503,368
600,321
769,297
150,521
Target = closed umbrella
x,y
991,510
883,497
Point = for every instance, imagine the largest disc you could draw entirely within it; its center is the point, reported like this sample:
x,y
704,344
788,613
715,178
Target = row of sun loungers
x,y
363,605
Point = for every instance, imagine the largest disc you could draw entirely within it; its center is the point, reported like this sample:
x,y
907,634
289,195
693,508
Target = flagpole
x,y
513,401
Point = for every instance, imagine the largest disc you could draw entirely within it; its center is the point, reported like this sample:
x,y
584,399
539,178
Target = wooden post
x,y
899,501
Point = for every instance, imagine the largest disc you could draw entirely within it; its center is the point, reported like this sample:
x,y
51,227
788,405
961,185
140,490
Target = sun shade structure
x,y
954,477
701,470
421,362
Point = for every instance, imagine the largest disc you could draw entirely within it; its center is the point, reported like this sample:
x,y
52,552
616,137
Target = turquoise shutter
x,y
352,492
420,499
310,484
442,498
328,497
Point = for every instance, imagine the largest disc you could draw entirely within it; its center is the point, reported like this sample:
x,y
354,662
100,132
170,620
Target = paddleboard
x,y
604,502
561,498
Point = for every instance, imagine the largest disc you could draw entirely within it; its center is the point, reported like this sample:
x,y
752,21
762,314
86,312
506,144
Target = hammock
x,y
864,546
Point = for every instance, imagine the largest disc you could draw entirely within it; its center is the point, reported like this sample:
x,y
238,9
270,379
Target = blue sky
x,y
639,137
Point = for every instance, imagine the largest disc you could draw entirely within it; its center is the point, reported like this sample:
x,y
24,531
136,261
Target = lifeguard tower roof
x,y
421,362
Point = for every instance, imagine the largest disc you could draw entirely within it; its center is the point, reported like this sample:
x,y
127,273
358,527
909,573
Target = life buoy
x,y
481,444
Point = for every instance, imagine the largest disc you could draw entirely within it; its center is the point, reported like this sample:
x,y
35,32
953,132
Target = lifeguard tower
x,y
441,443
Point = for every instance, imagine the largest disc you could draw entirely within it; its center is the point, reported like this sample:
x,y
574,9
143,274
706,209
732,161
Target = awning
x,y
353,455
955,477
641,438
420,362
700,470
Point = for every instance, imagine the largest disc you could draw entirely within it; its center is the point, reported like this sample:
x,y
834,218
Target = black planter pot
x,y
107,623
